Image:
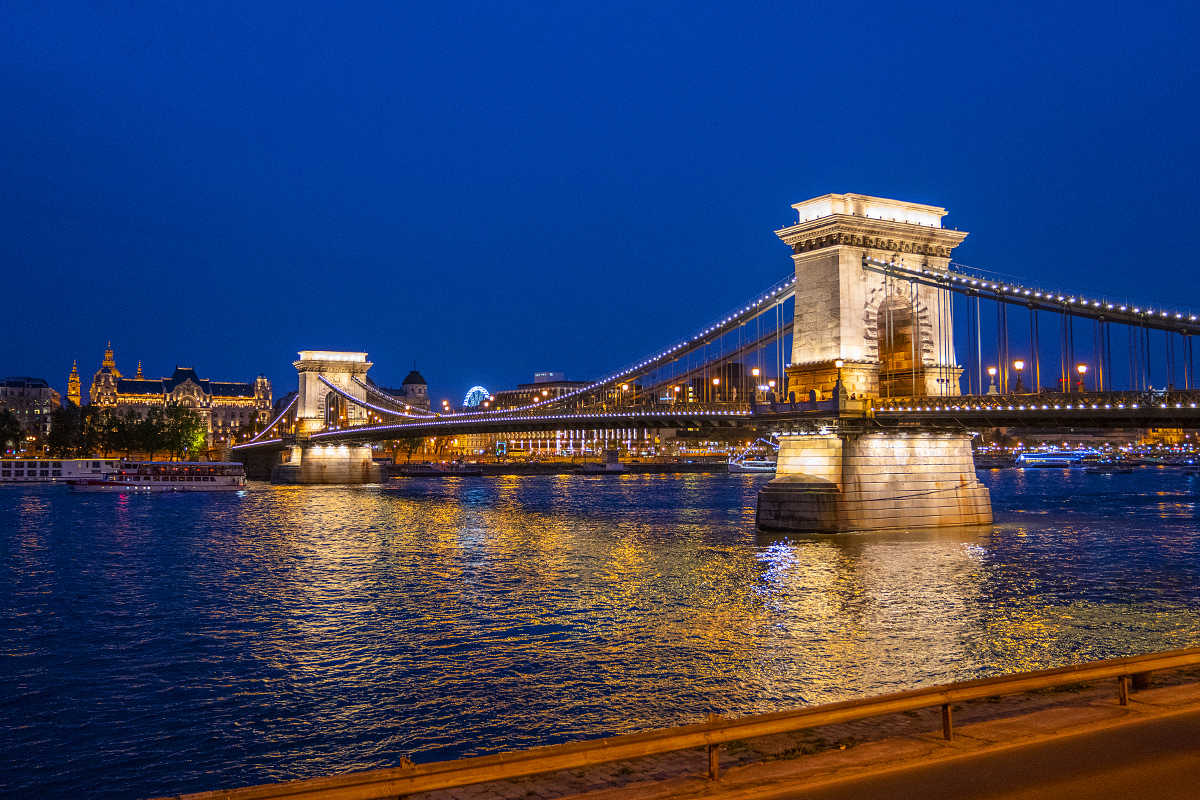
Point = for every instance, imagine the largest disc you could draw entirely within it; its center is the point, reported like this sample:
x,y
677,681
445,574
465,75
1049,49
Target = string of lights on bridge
x,y
409,411
459,419
1030,407
274,422
1020,291
778,293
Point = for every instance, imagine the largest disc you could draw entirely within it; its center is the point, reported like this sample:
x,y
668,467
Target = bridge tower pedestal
x,y
320,408
872,480
313,464
872,336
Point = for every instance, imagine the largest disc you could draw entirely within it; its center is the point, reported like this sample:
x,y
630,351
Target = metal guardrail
x,y
415,778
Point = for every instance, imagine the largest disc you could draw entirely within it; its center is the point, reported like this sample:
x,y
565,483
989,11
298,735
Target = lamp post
x,y
837,387
1082,370
1020,387
754,373
992,388
716,391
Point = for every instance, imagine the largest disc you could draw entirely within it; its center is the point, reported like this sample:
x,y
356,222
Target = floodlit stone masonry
x,y
831,482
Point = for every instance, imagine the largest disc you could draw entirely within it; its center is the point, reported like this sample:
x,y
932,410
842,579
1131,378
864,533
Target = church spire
x,y
138,377
110,363
73,391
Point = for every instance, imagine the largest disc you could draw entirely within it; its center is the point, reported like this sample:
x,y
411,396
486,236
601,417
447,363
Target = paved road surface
x,y
1154,759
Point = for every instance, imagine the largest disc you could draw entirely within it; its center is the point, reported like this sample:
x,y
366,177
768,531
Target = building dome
x,y
414,378
104,384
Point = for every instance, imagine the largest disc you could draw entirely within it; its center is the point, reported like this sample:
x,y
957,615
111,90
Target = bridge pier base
x,y
872,481
314,464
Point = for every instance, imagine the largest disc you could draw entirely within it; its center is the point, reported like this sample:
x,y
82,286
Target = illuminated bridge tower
x,y
320,408
893,338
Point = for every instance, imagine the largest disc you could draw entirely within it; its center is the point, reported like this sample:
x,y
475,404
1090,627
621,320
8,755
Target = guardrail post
x,y
714,767
1123,690
947,722
404,763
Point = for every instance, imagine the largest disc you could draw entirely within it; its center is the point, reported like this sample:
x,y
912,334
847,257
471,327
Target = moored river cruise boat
x,y
759,456
52,470
165,476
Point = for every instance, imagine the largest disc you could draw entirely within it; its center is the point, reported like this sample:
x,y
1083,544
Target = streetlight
x,y
992,388
1019,365
837,387
1082,370
716,383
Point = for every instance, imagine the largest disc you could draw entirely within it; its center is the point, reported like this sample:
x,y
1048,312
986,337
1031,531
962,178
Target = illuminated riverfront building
x,y
224,406
31,400
545,386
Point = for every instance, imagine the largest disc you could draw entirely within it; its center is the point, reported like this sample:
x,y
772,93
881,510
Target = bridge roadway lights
x,y
337,464
845,481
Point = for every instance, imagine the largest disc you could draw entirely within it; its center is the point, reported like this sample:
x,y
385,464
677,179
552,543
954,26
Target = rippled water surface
x,y
155,645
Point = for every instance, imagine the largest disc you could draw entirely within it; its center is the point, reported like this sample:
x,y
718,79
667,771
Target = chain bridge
x,y
851,359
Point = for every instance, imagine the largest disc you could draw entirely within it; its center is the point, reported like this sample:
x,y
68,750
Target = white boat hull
x,y
133,486
752,465
157,477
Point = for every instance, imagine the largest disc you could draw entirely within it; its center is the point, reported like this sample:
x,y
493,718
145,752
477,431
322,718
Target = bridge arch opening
x,y
899,352
333,410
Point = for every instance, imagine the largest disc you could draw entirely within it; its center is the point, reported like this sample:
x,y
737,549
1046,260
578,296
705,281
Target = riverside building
x,y
225,406
31,400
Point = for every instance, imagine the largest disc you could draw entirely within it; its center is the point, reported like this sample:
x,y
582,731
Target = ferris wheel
x,y
476,396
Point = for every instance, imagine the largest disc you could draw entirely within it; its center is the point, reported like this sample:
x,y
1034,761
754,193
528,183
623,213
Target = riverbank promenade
x,y
1137,735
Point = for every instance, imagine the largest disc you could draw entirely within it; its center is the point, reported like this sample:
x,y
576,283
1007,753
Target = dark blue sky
x,y
492,190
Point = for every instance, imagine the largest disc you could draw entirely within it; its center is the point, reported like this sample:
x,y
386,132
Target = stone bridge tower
x,y
318,407
895,337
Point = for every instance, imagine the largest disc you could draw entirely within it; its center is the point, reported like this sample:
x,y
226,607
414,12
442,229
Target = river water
x,y
153,645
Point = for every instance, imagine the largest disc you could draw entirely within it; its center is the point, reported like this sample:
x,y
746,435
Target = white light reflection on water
x,y
292,632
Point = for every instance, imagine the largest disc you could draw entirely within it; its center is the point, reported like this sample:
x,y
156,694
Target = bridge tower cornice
x,y
886,236
324,361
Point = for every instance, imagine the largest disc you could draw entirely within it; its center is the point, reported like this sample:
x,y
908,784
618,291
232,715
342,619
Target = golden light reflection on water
x,y
625,604
884,609
326,629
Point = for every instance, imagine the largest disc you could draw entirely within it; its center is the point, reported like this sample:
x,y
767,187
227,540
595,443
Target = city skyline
x,y
493,193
